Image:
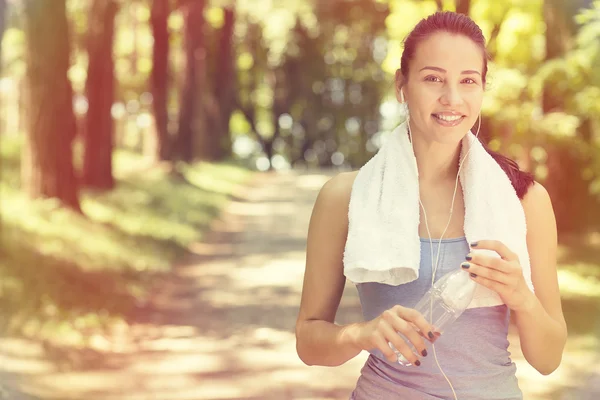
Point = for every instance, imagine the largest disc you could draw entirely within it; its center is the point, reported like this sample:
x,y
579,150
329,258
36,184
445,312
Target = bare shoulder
x,y
336,191
537,201
541,230
324,276
342,182
330,212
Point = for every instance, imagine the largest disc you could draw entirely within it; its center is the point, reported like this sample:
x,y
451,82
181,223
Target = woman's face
x,y
444,89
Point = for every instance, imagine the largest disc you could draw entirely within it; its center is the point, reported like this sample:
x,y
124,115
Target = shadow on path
x,y
222,324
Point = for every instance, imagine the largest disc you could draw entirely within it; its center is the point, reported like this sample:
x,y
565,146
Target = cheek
x,y
474,99
425,101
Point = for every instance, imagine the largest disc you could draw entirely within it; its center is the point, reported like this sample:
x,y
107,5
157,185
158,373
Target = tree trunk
x,y
217,103
160,76
225,83
133,56
2,28
47,162
269,151
558,37
195,60
100,91
463,6
2,20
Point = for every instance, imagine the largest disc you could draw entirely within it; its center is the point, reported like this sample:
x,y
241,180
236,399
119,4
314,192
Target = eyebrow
x,y
469,71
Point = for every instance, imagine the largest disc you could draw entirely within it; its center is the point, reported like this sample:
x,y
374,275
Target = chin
x,y
450,135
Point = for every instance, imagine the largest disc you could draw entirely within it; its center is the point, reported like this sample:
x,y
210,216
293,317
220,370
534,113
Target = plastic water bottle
x,y
443,303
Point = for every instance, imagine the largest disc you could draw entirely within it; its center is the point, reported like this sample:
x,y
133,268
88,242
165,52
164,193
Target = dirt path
x,y
223,327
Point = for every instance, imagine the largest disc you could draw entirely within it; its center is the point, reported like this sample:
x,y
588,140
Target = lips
x,y
448,119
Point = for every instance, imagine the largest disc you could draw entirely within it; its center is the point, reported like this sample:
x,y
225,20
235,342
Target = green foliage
x,y
403,17
275,20
63,265
316,66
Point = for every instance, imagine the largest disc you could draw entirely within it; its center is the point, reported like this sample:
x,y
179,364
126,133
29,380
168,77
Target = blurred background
x,y
160,160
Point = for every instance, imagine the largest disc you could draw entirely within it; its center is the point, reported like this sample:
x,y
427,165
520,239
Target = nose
x,y
451,96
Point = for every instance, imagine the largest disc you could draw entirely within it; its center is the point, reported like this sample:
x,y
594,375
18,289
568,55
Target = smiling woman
x,y
441,81
448,96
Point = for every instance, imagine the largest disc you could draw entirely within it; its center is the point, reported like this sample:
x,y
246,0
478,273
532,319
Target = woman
x,y
442,80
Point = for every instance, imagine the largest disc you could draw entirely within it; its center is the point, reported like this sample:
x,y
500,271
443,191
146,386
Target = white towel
x,y
383,233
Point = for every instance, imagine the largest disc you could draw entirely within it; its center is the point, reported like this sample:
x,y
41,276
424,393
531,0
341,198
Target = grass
x,y
579,279
60,270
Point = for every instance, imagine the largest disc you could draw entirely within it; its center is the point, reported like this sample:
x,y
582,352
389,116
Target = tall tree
x,y
463,6
190,114
558,42
218,102
47,162
133,8
2,28
160,75
566,185
245,99
100,91
2,18
226,85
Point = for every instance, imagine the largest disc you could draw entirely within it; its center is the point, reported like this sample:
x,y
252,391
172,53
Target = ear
x,y
399,82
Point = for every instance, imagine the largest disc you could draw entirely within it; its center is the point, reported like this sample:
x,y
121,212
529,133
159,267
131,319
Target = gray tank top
x,y
473,351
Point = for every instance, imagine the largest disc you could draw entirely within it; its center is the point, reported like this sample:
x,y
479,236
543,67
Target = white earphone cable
x,y
434,267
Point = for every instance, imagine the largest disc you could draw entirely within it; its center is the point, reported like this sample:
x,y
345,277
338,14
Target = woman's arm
x,y
541,324
318,340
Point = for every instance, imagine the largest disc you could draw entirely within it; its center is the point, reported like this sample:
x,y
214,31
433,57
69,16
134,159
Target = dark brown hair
x,y
460,24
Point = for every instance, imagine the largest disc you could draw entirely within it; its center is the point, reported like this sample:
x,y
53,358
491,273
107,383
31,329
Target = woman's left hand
x,y
502,275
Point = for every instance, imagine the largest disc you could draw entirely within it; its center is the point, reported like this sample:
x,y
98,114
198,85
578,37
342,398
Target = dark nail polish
x,y
430,334
468,258
424,352
465,266
474,244
473,275
417,363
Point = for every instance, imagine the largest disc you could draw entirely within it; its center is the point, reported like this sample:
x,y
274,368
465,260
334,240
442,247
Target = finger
x,y
407,329
380,342
415,339
490,261
413,328
416,318
425,336
496,246
486,272
412,334
488,283
400,345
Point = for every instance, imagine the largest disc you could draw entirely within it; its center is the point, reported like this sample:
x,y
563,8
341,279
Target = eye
x,y
469,81
432,78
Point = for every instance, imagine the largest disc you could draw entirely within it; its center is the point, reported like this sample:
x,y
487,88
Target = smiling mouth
x,y
448,120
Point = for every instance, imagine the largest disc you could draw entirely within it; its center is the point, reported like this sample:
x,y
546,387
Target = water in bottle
x,y
443,303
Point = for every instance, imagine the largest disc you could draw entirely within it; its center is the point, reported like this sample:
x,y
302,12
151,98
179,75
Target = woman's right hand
x,y
383,330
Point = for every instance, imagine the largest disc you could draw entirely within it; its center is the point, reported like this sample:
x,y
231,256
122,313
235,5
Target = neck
x,y
436,162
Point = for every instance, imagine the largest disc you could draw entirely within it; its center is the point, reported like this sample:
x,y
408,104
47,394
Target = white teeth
x,y
448,118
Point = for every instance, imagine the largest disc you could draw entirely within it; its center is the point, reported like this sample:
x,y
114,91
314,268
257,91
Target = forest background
x,y
126,126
